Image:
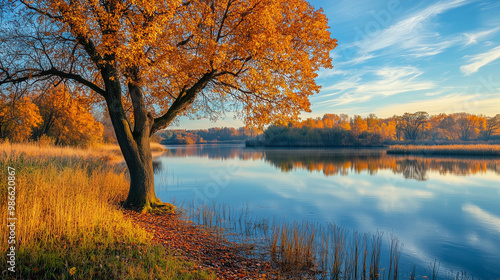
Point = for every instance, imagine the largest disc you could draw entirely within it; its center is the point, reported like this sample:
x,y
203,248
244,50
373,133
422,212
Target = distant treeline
x,y
211,135
282,136
343,131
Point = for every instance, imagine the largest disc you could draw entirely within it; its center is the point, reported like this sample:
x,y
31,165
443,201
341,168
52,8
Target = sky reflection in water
x,y
444,209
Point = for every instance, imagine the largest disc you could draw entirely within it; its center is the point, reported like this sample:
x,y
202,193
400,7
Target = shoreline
x,y
474,150
446,150
108,241
186,248
198,244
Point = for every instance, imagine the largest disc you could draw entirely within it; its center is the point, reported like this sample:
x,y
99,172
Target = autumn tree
x,y
413,124
468,125
358,124
330,120
66,118
18,117
169,58
492,125
373,123
388,129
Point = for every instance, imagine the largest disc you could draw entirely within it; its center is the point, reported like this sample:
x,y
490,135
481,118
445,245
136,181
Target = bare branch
x,y
31,7
12,79
181,103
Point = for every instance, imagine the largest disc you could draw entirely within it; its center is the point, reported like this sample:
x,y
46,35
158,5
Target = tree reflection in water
x,y
344,161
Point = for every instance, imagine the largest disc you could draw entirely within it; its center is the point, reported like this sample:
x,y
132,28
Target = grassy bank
x,y
446,150
69,222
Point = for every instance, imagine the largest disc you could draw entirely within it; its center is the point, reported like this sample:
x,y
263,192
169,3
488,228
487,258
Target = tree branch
x,y
29,6
181,103
54,72
224,17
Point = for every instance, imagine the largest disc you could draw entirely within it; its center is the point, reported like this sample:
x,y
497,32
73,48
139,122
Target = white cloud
x,y
389,81
326,73
357,60
450,103
413,33
472,38
480,60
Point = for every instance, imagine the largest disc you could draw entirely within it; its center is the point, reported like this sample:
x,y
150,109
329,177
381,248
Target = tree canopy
x,y
152,60
255,57
67,119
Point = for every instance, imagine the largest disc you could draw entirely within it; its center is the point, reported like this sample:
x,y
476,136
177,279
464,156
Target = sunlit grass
x,y
465,150
69,221
115,149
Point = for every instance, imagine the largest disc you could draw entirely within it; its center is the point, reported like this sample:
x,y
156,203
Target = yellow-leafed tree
x,y
18,117
67,119
168,58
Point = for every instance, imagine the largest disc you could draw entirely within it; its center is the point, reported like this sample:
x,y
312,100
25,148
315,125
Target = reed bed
x,y
69,222
305,250
298,249
446,150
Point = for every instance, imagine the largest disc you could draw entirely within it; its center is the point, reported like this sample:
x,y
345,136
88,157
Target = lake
x,y
442,209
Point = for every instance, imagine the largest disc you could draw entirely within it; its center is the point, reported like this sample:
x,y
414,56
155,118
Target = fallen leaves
x,y
199,245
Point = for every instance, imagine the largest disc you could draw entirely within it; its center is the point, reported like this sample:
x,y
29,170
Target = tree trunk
x,y
135,146
141,195
136,150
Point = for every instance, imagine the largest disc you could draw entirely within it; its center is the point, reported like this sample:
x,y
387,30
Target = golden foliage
x,y
18,116
260,56
67,118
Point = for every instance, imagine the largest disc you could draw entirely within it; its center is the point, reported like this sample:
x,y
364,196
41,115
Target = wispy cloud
x,y
472,38
388,81
413,33
326,73
480,60
449,103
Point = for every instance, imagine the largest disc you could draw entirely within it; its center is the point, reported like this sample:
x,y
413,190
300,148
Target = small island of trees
x,y
334,130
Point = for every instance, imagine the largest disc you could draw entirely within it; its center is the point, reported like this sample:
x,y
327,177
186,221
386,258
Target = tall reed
x,y
69,220
305,250
449,150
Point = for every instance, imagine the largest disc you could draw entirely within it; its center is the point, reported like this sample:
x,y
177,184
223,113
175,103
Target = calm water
x,y
444,209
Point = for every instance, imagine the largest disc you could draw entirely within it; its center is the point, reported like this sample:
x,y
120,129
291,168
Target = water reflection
x,y
441,208
344,161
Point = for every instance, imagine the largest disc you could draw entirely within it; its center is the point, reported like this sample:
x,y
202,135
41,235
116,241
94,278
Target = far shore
x,y
451,150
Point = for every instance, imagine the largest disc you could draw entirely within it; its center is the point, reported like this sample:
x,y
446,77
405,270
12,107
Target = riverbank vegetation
x,y
305,250
446,150
343,131
58,116
211,135
69,221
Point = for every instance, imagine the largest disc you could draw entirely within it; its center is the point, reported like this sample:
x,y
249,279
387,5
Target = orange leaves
x,y
18,117
261,55
67,119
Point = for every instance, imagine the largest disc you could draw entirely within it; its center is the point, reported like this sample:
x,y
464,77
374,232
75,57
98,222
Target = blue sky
x,y
397,56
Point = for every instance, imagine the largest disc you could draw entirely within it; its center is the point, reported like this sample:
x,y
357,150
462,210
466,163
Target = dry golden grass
x,y
465,150
68,215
